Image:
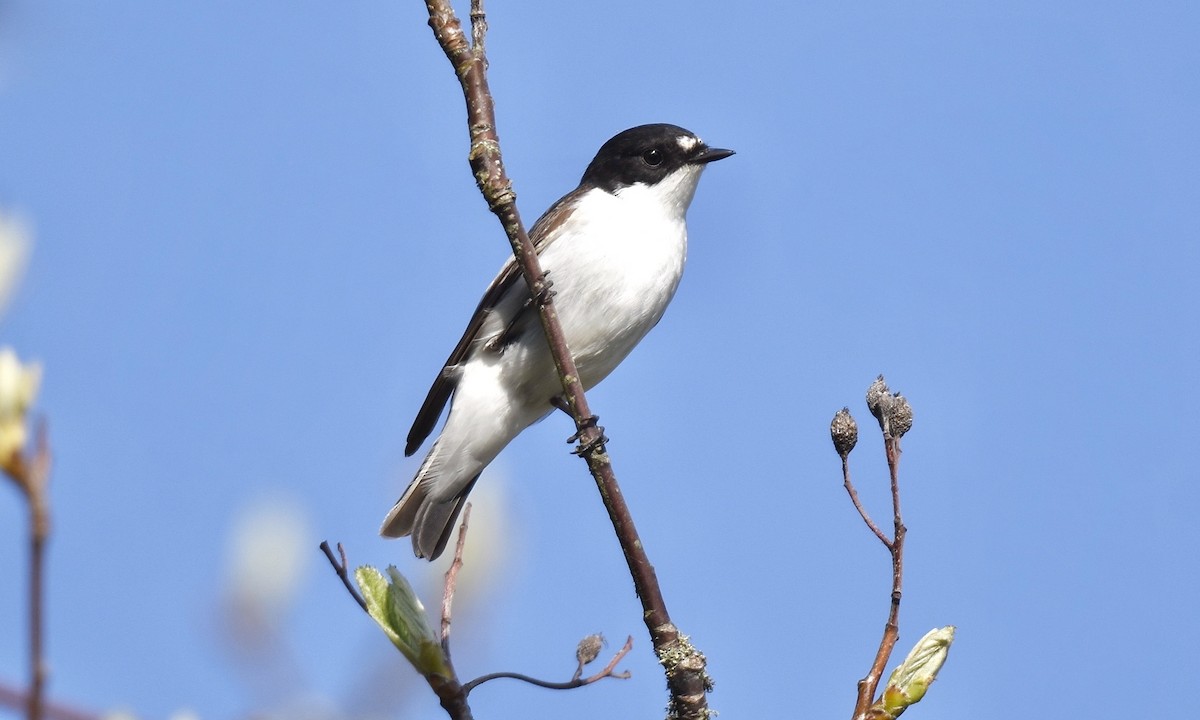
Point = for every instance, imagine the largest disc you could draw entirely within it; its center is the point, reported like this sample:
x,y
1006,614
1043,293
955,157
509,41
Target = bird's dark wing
x,y
542,234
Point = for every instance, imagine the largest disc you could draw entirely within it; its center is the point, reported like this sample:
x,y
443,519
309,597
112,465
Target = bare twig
x,y
342,570
687,679
452,579
862,511
575,682
32,475
891,630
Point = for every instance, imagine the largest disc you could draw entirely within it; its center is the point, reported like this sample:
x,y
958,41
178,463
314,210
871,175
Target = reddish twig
x,y
891,630
32,475
452,579
862,511
687,679
575,682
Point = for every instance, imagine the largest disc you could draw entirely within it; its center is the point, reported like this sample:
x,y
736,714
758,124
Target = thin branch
x,y
612,664
862,511
891,631
452,579
341,568
32,476
576,682
687,679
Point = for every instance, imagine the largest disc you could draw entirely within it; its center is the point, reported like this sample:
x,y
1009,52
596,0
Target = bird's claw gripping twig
x,y
585,424
541,292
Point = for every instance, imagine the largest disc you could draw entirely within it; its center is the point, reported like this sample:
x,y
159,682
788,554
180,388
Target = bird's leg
x,y
560,402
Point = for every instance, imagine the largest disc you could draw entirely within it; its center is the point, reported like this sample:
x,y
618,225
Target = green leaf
x,y
393,604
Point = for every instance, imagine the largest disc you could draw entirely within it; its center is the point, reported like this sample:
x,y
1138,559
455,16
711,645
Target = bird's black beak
x,y
710,154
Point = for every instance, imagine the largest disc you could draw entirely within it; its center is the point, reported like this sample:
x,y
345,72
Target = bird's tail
x,y
428,518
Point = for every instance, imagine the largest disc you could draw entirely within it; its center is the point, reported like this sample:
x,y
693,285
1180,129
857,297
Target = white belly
x,y
614,279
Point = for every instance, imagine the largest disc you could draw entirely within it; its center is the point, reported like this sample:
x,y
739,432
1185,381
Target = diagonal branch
x,y
862,511
343,571
685,666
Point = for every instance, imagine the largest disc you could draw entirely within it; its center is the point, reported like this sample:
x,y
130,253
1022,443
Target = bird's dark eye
x,y
652,157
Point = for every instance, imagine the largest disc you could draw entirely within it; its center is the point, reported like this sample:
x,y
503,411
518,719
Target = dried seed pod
x,y
844,432
589,649
879,401
901,416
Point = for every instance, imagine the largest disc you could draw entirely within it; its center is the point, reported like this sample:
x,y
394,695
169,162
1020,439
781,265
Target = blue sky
x,y
257,238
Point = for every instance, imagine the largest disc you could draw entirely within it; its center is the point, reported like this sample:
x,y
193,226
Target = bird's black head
x,y
647,154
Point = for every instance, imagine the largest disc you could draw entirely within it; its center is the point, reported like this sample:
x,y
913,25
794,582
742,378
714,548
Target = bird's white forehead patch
x,y
688,143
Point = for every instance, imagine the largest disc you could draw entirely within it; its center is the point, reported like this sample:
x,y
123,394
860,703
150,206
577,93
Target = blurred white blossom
x,y
269,551
15,240
18,388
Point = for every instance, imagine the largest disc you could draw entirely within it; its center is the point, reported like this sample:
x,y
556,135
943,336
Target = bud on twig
x,y
912,678
18,388
589,649
879,400
392,603
892,410
902,415
844,432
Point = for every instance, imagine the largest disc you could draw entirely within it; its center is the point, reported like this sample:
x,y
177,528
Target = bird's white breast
x,y
615,269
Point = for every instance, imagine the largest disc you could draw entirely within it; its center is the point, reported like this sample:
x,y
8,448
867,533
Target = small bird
x,y
614,248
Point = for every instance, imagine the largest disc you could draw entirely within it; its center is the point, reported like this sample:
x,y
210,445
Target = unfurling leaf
x,y
393,604
910,679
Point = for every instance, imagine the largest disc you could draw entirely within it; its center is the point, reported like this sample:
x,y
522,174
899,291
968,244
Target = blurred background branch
x,y
28,470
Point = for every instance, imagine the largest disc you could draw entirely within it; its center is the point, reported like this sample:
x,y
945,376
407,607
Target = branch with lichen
x,y
908,682
685,667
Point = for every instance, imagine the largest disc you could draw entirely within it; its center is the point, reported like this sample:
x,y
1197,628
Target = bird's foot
x,y
586,424
541,293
